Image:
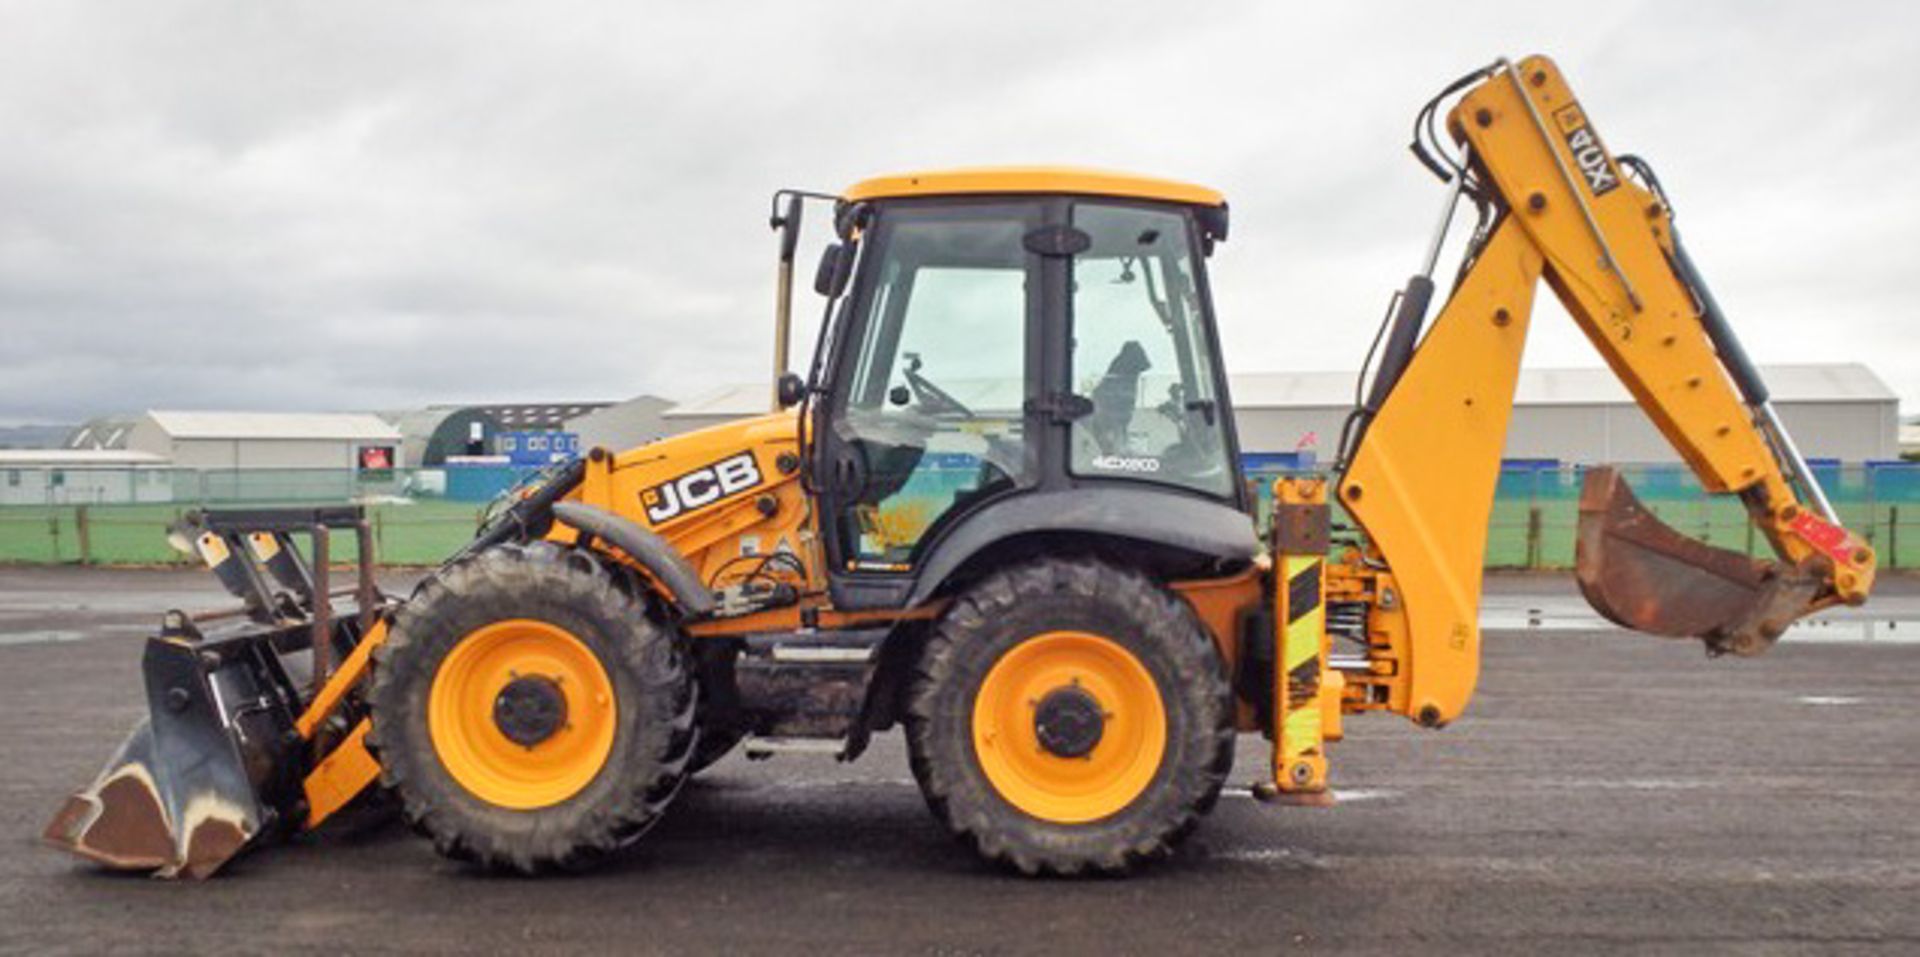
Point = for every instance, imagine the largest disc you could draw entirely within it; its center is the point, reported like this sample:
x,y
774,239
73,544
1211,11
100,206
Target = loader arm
x,y
1420,477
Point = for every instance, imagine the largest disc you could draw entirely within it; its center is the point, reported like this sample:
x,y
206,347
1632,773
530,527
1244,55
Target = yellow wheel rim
x,y
1045,784
461,714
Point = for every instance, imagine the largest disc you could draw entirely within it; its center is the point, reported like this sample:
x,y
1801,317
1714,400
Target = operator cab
x,y
1014,331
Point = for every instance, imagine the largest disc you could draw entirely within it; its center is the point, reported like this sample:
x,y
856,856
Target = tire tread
x,y
502,582
959,795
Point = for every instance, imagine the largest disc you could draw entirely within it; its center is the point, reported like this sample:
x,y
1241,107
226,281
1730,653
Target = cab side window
x,y
1141,352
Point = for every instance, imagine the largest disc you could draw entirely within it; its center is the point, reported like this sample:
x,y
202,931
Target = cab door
x,y
926,420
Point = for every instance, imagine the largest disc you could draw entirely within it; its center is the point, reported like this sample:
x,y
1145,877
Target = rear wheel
x,y
1070,716
529,712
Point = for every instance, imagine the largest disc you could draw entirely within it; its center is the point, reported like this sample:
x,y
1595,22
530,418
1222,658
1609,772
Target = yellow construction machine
x,y
1003,511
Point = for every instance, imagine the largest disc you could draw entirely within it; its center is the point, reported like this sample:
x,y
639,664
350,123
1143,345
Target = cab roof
x,y
1033,179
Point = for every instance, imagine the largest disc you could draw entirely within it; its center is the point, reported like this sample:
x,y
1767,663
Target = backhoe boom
x,y
1420,478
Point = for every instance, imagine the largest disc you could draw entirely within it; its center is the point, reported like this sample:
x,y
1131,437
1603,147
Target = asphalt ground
x,y
1605,792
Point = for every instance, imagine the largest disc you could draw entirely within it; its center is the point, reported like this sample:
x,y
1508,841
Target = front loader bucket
x,y
1638,572
220,759
202,775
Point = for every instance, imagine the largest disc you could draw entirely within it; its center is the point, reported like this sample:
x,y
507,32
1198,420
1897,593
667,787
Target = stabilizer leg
x,y
1305,692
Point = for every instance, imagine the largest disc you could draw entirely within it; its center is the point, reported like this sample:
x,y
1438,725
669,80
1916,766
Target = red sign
x,y
376,458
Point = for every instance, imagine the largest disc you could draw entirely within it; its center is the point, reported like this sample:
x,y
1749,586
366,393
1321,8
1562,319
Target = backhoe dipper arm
x,y
1420,480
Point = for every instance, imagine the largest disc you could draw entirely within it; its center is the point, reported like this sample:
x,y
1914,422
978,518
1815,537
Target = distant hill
x,y
33,436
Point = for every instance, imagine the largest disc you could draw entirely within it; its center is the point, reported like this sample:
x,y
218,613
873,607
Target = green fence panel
x,y
422,533
131,534
120,516
1536,511
29,535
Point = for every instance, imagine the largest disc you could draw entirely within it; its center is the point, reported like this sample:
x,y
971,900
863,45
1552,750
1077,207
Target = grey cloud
x,y
367,205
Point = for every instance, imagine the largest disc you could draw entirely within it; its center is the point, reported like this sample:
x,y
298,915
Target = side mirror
x,y
836,267
1213,227
790,390
788,225
1213,221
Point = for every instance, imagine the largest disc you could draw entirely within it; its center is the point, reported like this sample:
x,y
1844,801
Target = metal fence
x,y
1536,510
120,516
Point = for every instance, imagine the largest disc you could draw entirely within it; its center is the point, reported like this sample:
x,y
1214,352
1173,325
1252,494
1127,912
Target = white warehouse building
x,y
1840,411
264,440
82,477
1836,411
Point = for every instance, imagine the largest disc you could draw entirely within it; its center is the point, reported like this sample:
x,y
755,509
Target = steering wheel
x,y
933,399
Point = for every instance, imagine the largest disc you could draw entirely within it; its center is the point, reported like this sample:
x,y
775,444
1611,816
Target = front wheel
x,y
1070,716
529,712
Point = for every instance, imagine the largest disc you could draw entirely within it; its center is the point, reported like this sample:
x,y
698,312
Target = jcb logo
x,y
1588,154
701,487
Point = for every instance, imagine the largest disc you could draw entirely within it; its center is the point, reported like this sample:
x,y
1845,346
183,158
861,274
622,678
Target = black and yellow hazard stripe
x,y
1299,764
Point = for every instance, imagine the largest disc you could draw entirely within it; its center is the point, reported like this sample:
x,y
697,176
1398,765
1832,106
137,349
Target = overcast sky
x,y
370,206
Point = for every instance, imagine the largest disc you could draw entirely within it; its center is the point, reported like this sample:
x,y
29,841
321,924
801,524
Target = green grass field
x,y
421,533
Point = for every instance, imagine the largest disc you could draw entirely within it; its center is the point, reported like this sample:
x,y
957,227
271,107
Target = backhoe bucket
x,y
1638,572
219,760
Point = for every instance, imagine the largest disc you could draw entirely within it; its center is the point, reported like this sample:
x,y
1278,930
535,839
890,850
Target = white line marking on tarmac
x,y
1364,794
1339,796
1273,857
42,637
801,784
1828,699
1647,784
46,636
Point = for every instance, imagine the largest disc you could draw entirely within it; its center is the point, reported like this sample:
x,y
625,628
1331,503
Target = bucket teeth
x,y
1638,572
125,819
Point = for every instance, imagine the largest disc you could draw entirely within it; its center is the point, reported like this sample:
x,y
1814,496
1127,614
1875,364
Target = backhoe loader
x,y
1003,512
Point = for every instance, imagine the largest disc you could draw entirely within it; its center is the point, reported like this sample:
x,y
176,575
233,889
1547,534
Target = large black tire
x,y
1153,625
653,739
722,725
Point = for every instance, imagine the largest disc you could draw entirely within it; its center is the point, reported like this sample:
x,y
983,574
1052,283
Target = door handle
x,y
848,475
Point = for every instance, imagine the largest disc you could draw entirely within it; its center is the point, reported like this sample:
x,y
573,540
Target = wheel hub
x,y
530,709
1069,727
1069,722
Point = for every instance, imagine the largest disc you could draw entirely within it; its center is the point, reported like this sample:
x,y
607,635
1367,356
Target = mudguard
x,y
1145,515
653,552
